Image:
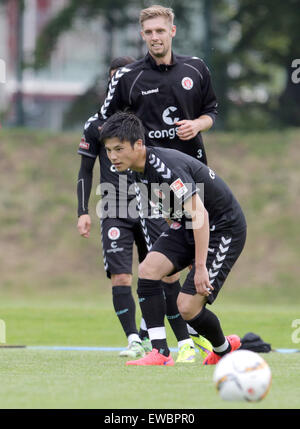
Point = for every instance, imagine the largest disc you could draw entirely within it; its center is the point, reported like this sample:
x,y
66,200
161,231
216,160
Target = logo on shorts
x,y
83,144
114,233
187,83
179,188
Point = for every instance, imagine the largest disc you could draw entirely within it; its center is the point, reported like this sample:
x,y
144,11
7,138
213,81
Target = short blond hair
x,y
155,11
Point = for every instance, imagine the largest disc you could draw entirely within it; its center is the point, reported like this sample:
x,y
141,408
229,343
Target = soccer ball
x,y
242,376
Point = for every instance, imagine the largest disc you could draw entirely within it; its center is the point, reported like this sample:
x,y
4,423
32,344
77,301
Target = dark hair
x,y
123,126
120,62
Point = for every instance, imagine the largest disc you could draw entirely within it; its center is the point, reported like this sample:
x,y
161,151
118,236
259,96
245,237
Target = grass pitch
x,y
65,379
100,380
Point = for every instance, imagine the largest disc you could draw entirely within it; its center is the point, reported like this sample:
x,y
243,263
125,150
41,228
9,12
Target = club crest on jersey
x,y
83,144
187,83
179,188
114,233
175,225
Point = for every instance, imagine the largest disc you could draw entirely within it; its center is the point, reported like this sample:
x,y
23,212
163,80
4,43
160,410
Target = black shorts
x,y
118,236
224,248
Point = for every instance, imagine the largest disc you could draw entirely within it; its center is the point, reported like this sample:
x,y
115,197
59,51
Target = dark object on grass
x,y
253,342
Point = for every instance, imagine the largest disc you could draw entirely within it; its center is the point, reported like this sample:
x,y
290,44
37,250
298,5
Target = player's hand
x,y
84,225
202,283
187,129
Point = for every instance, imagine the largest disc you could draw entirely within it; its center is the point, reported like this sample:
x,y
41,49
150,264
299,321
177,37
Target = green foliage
x,y
269,39
84,106
261,38
277,38
115,12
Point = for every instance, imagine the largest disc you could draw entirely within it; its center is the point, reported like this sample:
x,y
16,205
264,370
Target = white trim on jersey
x,y
159,166
142,220
134,82
111,89
103,251
194,68
91,119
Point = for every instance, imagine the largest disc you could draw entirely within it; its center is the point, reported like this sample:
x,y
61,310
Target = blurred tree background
x,y
252,50
249,46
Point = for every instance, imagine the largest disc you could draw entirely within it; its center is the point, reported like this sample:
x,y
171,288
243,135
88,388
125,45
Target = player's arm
x,y
200,224
209,101
84,187
188,129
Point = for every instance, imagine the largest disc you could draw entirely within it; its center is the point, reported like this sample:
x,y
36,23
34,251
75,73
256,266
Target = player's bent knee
x,y
146,271
184,309
188,306
121,279
155,266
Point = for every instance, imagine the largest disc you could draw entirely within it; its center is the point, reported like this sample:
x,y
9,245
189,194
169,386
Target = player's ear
x,y
142,34
173,30
139,143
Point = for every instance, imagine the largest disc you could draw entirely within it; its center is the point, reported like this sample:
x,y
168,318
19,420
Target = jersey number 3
x,y
199,153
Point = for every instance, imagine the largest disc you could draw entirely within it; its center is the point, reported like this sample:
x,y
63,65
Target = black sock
x,y
143,334
192,334
175,320
207,324
124,306
152,305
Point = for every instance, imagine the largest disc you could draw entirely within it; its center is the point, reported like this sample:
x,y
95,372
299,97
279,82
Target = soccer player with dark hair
x,y
119,230
208,232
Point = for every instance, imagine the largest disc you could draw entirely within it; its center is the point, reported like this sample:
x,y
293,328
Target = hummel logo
x,y
150,91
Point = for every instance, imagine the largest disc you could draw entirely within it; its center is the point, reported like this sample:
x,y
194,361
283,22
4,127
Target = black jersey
x,y
161,95
183,176
114,185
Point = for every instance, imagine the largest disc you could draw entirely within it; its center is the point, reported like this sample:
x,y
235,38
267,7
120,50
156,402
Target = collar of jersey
x,y
150,63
